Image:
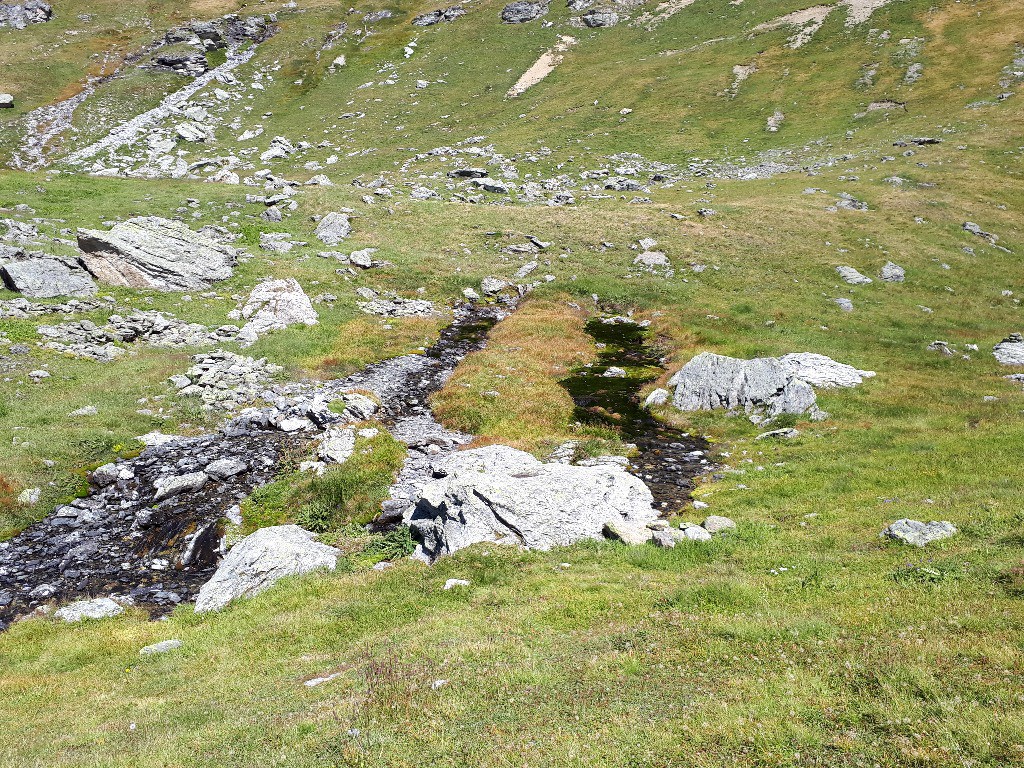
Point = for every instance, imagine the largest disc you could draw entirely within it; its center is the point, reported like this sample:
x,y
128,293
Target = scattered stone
x,y
657,397
717,524
150,252
493,285
99,608
223,379
261,559
917,533
1010,351
844,304
852,276
6,101
274,305
614,372
633,534
164,646
974,229
436,17
333,228
399,307
598,18
88,410
452,583
787,433
20,15
892,273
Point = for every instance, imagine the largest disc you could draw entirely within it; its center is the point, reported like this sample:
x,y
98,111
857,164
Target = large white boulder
x,y
763,387
503,495
260,559
273,305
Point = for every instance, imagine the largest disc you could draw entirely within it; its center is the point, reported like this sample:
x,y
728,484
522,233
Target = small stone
x,y
718,524
696,533
452,583
99,608
163,646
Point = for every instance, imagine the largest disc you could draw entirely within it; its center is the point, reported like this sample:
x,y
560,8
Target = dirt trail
x,y
543,67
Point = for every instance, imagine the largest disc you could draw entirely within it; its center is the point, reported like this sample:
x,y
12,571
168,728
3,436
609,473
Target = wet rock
x,y
333,228
852,276
502,495
191,64
164,646
1010,351
44,277
172,486
222,469
892,273
258,561
441,15
151,252
274,305
521,11
100,608
917,533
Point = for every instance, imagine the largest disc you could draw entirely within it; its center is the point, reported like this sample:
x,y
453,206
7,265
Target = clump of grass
x,y
346,495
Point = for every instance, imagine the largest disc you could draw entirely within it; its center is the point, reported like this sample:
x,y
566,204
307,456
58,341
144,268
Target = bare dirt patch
x,y
543,67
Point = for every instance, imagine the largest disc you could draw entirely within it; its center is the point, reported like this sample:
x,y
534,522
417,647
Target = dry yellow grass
x,y
527,356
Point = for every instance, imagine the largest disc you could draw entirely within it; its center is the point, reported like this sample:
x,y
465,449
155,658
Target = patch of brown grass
x,y
519,370
362,341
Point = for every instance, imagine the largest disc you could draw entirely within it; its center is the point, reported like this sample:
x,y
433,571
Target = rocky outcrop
x,y
919,534
506,496
273,305
438,16
40,276
258,561
20,15
764,387
521,11
598,18
151,252
1010,351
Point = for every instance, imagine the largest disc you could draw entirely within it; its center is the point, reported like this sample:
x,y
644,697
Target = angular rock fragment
x,y
273,305
333,228
919,534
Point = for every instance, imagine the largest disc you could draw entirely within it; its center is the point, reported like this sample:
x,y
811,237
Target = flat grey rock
x,y
164,646
852,276
892,273
917,533
1010,351
333,228
45,277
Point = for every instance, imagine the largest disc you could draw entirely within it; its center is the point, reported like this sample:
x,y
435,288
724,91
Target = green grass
x,y
803,639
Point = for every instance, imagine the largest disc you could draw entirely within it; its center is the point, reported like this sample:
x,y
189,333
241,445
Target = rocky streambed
x,y
150,530
607,394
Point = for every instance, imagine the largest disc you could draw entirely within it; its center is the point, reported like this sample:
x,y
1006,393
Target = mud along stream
x,y
130,538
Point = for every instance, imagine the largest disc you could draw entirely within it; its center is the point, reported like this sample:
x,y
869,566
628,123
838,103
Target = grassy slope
x,y
859,653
